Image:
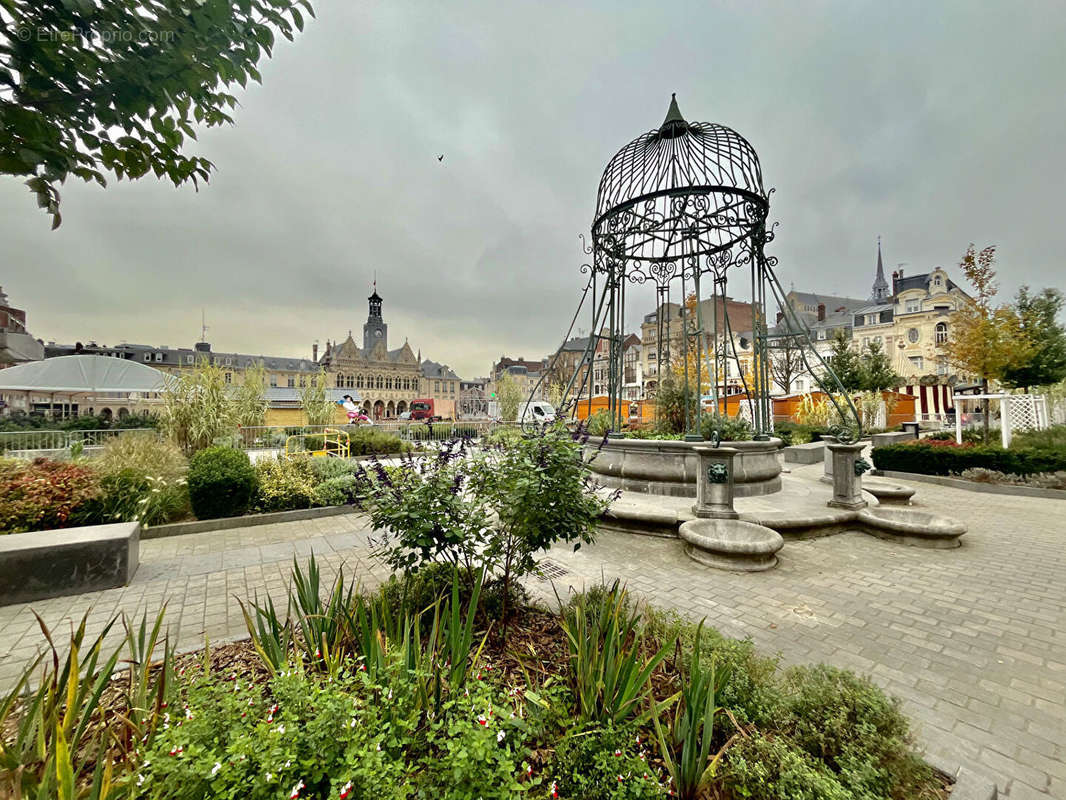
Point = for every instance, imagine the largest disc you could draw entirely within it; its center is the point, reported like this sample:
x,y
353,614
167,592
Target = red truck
x,y
424,410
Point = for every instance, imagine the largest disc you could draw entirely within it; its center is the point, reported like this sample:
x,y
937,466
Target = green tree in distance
x,y
875,369
1038,314
89,88
986,339
509,395
845,363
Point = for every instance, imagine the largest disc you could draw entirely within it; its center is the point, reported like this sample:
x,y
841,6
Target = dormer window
x,y
914,306
938,282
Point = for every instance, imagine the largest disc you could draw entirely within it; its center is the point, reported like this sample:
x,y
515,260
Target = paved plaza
x,y
972,639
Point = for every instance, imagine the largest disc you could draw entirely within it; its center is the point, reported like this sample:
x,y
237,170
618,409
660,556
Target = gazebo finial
x,y
674,114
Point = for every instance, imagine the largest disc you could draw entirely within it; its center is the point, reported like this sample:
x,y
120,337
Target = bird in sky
x,y
440,157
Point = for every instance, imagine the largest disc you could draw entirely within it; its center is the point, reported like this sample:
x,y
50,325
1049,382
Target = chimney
x,y
821,312
314,352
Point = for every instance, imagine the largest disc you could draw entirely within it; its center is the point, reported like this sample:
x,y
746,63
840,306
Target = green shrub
x,y
588,763
730,429
367,440
474,750
795,433
599,424
284,484
502,437
326,468
856,729
1052,439
762,768
420,588
222,483
945,458
45,494
340,491
235,740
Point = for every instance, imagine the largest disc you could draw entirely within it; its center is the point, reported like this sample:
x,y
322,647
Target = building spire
x,y
880,289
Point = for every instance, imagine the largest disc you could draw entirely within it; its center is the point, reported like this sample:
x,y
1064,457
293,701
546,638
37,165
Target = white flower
x,y
215,769
499,736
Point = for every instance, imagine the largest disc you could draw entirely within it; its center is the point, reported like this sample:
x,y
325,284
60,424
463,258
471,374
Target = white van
x,y
536,411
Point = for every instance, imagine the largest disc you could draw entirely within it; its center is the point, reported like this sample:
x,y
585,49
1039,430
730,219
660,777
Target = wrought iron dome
x,y
683,190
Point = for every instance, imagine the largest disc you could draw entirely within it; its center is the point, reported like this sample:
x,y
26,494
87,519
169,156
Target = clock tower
x,y
375,330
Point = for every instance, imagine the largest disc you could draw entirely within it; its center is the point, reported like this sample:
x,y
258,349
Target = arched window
x,y
380,382
941,332
358,381
388,382
340,381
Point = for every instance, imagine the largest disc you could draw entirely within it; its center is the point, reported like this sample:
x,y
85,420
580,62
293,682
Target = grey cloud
x,y
931,125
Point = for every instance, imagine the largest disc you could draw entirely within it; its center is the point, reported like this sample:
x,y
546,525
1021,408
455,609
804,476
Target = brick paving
x,y
973,639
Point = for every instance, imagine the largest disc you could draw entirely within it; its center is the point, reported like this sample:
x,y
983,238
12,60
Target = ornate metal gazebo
x,y
683,207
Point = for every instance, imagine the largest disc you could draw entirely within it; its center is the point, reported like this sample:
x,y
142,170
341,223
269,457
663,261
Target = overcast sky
x,y
930,124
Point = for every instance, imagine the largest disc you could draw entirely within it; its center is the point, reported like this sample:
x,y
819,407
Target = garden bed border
x,y
973,486
248,520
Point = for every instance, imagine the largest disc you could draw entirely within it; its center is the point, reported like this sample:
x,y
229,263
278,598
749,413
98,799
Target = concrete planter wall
x,y
42,564
670,467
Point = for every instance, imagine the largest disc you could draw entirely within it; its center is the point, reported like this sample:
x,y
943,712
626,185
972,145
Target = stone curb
x,y
973,486
967,785
228,523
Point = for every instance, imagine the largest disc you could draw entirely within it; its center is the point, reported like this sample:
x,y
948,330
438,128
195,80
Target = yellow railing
x,y
334,444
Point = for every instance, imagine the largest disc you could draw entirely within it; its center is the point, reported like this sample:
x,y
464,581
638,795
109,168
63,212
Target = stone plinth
x,y
42,564
809,453
714,483
847,485
827,455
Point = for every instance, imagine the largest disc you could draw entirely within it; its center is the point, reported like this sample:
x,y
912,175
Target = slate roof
x,y
431,369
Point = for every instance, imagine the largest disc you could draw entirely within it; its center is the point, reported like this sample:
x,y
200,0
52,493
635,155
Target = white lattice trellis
x,y
1017,412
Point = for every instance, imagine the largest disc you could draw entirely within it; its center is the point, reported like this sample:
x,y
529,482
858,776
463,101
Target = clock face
x,y
377,334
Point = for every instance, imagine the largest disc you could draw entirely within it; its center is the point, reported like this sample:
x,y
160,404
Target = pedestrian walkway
x,y
973,639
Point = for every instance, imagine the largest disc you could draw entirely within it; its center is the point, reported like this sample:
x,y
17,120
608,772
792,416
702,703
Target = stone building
x,y
17,346
387,380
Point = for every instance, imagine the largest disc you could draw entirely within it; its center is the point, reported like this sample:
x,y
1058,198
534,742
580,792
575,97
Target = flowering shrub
x,y
605,764
46,494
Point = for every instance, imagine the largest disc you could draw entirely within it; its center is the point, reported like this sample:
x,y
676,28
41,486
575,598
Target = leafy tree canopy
x,y
94,88
1039,318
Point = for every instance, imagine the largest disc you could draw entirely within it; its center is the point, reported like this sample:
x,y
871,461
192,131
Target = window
x,y
229,377
873,319
941,333
388,382
189,359
340,381
436,387
914,306
274,380
913,335
865,341
291,382
303,381
147,356
941,366
937,282
380,382
918,363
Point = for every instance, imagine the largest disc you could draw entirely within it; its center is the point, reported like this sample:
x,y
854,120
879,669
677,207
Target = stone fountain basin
x,y
731,544
919,528
889,492
670,468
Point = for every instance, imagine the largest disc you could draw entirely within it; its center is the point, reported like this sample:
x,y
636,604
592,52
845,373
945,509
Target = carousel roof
x,y
82,375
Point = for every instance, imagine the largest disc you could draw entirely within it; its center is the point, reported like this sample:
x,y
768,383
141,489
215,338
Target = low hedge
x,y
947,458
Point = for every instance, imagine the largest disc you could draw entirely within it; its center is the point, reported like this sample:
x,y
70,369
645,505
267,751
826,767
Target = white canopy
x,y
82,375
